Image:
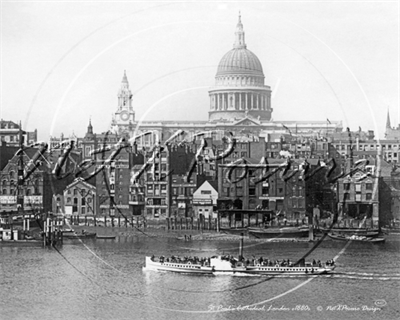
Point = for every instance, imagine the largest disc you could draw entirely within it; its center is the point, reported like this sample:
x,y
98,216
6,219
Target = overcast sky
x,y
62,62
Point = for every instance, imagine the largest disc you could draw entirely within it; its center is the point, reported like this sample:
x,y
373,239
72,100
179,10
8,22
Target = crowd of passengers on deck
x,y
246,262
185,260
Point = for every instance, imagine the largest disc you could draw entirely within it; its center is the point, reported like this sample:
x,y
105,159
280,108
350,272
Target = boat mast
x,y
20,183
241,247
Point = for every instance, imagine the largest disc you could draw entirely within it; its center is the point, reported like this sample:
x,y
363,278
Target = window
x,y
150,188
205,192
83,202
252,191
368,186
346,196
358,196
368,196
346,186
226,191
83,210
75,192
358,187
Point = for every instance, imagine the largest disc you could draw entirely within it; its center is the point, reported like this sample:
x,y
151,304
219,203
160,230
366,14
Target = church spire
x,y
239,35
90,127
388,120
125,78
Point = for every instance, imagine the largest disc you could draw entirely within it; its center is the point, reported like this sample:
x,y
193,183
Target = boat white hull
x,y
176,267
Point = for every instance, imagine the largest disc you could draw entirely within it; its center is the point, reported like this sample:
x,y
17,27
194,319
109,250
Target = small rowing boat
x,y
284,232
71,234
356,238
105,237
352,231
236,231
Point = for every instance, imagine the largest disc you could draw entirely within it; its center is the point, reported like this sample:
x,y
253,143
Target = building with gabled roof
x,y
80,198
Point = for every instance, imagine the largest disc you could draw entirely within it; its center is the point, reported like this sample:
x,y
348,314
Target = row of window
x,y
366,147
156,212
358,196
157,188
183,191
82,192
156,202
28,192
9,138
82,210
75,201
357,186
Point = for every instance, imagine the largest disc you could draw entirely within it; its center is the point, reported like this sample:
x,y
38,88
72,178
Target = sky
x,y
62,62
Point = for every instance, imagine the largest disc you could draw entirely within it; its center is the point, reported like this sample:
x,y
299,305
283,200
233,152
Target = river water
x,y
104,279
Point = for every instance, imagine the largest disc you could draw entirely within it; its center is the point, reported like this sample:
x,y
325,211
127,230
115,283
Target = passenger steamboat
x,y
218,265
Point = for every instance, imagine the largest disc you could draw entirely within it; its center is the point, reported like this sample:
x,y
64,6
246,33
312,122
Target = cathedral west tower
x,y
124,118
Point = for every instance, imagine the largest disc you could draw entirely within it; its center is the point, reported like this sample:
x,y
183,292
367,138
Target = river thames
x,y
104,279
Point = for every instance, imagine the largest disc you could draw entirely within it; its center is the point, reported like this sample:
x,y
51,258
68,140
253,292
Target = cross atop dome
x,y
239,35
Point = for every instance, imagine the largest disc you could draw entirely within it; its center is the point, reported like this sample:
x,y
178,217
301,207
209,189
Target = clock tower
x,y
124,118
